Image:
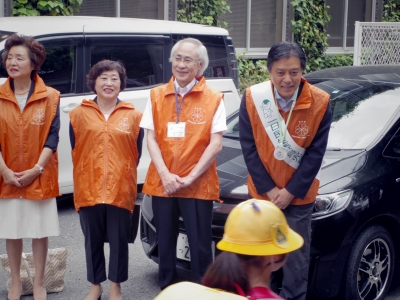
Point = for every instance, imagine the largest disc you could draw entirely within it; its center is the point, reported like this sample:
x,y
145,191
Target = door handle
x,y
69,107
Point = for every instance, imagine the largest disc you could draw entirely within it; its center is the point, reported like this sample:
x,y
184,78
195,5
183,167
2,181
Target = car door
x,y
63,70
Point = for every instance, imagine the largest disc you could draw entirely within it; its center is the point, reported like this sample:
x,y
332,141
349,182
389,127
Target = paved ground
x,y
142,283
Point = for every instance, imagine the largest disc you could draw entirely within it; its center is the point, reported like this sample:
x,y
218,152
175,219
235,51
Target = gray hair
x,y
200,50
285,50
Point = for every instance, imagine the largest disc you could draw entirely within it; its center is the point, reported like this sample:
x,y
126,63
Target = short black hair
x,y
285,50
103,66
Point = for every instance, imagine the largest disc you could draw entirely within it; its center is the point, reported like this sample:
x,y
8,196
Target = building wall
x,y
254,25
146,9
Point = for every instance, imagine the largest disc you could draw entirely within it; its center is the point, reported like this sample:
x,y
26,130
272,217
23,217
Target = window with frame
x,y
143,62
392,149
218,65
58,69
342,25
254,24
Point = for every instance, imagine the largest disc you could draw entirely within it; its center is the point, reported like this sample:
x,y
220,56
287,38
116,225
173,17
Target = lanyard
x,y
178,109
282,134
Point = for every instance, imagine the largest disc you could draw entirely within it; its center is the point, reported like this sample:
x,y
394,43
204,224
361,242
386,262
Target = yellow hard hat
x,y
258,227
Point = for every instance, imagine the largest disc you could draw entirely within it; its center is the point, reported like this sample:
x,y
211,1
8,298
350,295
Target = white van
x,y
74,44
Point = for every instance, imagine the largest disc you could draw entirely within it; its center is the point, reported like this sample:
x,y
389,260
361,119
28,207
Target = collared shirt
x,y
184,90
219,119
282,102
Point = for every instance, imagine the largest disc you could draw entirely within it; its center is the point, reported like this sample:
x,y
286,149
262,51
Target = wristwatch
x,y
41,169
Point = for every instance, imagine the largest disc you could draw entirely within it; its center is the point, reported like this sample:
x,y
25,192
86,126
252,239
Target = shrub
x,y
310,19
251,72
207,12
391,11
45,7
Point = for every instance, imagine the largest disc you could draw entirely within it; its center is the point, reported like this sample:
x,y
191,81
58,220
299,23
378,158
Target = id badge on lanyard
x,y
176,130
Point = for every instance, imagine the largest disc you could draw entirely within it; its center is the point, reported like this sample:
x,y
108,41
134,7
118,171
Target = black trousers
x,y
197,218
294,274
98,221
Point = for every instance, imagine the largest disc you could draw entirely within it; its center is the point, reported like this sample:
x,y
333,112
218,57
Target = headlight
x,y
329,204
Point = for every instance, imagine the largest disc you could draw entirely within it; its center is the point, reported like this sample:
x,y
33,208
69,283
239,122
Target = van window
x,y
143,62
58,69
217,54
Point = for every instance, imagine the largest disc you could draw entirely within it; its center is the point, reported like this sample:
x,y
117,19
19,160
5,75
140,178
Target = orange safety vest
x,y
105,156
307,115
22,138
182,154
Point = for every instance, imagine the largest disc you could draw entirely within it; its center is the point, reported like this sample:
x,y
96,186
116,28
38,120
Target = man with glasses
x,y
185,121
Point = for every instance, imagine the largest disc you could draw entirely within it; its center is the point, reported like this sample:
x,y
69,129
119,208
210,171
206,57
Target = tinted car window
x,y
393,148
219,65
233,128
58,69
143,62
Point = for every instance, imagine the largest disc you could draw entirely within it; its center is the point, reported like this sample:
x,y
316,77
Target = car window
x,y
58,69
393,148
220,64
233,128
143,62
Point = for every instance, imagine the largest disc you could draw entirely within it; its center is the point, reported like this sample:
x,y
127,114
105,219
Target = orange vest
x,y
22,137
182,154
105,156
307,115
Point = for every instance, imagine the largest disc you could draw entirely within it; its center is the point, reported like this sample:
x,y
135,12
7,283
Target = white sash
x,y
263,97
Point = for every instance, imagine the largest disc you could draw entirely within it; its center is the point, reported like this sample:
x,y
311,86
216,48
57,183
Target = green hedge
x,y
207,12
391,11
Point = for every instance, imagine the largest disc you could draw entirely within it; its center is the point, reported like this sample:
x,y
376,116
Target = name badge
x,y
176,130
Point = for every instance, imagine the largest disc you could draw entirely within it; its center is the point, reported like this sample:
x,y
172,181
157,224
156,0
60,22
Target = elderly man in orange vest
x,y
184,120
283,149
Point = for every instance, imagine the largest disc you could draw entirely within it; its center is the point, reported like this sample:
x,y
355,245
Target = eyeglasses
x,y
187,60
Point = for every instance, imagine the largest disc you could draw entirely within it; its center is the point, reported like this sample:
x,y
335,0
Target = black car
x,y
356,219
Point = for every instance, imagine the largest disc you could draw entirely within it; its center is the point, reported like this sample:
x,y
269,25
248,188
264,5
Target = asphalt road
x,y
142,282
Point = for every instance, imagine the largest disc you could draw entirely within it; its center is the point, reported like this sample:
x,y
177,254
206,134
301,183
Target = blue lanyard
x,y
178,109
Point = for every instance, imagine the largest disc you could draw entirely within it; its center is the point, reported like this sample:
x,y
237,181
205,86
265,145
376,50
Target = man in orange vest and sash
x,y
184,120
284,125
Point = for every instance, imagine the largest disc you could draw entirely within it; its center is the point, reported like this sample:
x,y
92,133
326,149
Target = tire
x,y
370,265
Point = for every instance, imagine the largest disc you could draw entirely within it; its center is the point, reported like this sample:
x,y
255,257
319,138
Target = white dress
x,y
21,218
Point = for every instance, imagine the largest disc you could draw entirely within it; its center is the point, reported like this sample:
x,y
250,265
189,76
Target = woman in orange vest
x,y
256,242
29,122
106,144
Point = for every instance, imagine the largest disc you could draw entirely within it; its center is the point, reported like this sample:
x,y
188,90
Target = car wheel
x,y
370,265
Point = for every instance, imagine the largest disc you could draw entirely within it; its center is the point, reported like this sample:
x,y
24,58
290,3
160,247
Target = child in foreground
x,y
256,242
